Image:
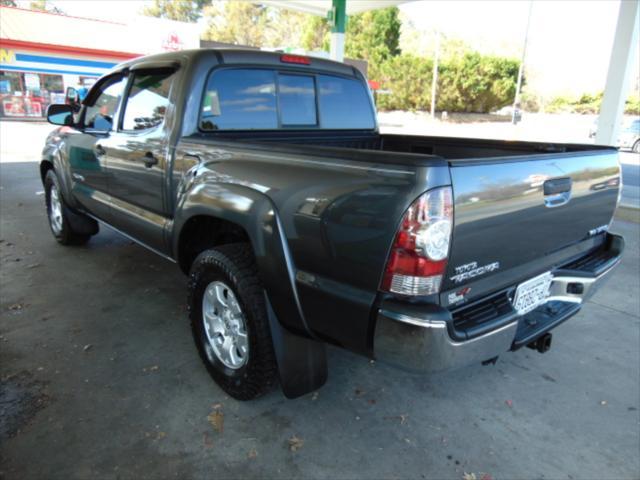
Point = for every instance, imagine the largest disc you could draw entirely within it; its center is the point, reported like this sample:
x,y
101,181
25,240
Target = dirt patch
x,y
21,397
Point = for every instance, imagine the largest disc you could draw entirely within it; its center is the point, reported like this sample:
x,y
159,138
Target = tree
x,y
373,35
45,6
40,5
242,23
180,10
285,27
8,3
315,33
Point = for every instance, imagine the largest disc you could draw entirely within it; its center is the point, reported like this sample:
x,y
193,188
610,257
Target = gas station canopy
x,y
321,7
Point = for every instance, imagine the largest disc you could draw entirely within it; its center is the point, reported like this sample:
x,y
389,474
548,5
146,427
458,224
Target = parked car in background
x,y
628,137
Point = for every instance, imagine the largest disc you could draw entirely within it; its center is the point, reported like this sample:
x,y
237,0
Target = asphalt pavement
x,y
100,379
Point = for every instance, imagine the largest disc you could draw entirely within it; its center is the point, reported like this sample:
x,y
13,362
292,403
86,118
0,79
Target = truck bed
x,y
449,148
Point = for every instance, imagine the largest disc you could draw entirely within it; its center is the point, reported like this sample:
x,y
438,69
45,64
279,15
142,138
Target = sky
x,y
569,41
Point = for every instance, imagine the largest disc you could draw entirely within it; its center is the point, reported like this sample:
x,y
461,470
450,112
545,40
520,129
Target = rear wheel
x,y
57,213
229,321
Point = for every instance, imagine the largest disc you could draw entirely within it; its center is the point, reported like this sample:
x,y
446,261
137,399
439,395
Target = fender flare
x,y
301,358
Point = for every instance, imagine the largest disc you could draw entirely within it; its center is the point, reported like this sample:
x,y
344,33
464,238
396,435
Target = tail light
x,y
418,258
299,59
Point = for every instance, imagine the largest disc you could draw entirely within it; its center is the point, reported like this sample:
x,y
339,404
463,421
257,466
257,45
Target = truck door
x,y
138,158
86,157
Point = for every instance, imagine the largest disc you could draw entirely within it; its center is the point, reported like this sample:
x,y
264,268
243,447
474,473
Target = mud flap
x,y
302,362
81,223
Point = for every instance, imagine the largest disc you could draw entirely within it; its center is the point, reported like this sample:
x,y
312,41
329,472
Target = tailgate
x,y
512,213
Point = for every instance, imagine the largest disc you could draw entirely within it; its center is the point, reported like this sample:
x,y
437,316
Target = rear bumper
x,y
424,338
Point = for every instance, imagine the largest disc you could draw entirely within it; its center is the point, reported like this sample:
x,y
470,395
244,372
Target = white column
x,y
623,54
337,46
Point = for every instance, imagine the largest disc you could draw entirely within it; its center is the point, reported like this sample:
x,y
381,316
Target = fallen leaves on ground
x,y
87,347
295,443
16,306
216,419
252,454
402,418
472,476
509,403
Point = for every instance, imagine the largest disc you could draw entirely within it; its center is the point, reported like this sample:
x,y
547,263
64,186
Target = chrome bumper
x,y
420,341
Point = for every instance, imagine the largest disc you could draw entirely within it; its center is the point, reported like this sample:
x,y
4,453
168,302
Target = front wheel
x,y
57,213
229,321
636,147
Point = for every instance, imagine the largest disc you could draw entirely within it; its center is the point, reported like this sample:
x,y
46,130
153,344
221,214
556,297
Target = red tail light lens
x,y
418,258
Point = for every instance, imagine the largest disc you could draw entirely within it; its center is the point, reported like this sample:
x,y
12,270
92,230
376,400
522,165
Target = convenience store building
x,y
42,54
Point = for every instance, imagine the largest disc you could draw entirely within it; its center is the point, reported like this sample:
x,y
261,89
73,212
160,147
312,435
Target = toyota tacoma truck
x,y
264,176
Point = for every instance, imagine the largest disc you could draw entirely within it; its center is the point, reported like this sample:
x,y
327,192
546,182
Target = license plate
x,y
532,293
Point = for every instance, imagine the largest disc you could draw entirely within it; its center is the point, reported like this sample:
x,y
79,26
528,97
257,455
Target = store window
x,y
27,95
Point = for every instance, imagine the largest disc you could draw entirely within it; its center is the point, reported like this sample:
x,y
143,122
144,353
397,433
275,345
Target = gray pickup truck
x,y
265,178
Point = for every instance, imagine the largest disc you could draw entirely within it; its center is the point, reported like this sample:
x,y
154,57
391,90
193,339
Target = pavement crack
x,y
614,309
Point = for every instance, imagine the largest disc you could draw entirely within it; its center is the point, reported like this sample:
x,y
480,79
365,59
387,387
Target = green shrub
x,y
632,107
589,103
468,83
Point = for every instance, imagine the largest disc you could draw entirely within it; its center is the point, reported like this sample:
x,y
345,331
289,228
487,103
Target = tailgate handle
x,y
557,185
557,192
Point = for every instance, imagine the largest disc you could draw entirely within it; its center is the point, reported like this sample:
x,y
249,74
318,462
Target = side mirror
x,y
60,114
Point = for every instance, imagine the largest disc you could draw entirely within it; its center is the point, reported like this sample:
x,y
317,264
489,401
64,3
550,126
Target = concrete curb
x,y
628,214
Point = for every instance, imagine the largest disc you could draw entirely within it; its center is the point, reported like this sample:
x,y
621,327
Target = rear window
x,y
258,99
240,99
297,95
344,103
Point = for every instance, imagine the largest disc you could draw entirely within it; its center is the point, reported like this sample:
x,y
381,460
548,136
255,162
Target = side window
x,y
148,99
240,99
100,115
297,95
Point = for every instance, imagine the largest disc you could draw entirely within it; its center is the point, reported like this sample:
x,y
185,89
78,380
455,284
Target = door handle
x,y
150,160
99,150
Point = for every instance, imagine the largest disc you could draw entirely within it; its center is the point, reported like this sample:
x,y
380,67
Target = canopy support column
x,y
623,54
339,17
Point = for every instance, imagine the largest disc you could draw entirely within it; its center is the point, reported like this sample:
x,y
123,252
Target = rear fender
x,y
301,359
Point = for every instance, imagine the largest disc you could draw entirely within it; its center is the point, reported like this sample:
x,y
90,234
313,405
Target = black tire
x,y
636,147
64,233
234,265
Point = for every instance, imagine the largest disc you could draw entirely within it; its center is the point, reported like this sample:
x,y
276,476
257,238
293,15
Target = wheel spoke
x,y
219,294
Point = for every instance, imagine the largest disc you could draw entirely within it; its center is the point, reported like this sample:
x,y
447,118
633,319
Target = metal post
x,y
623,54
516,100
434,80
338,28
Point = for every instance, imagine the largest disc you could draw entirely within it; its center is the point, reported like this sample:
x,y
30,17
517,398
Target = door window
x,y
100,114
147,101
